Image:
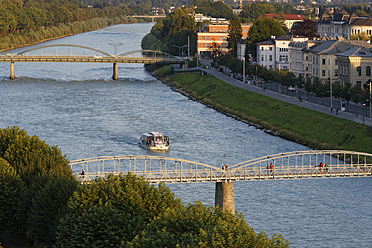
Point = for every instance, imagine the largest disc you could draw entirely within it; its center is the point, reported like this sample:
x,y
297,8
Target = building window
x,y
336,72
221,38
221,30
307,58
208,45
203,37
262,58
323,61
271,58
368,71
359,71
307,68
214,30
203,45
262,48
270,48
323,73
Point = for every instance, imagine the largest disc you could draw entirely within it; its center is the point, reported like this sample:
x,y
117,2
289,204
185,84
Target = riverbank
x,y
32,37
304,126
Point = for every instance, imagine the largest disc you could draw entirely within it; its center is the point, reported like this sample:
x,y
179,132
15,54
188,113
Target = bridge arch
x,y
150,51
152,168
65,45
291,165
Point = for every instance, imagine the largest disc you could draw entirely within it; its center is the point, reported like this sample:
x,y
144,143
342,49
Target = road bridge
x,y
152,17
291,165
75,53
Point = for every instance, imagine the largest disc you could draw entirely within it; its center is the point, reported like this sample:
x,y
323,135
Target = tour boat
x,y
154,141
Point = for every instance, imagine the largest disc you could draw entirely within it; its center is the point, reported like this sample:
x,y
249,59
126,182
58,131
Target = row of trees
x,y
38,35
355,93
22,15
40,196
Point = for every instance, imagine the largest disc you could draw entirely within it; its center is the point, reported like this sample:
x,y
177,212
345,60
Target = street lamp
x,y
370,100
180,48
364,107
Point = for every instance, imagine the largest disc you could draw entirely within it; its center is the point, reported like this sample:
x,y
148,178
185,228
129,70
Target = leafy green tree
x,y
43,219
356,95
29,155
11,187
261,30
234,35
132,201
306,28
202,226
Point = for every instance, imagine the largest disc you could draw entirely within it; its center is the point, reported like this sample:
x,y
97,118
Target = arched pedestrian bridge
x,y
75,53
291,165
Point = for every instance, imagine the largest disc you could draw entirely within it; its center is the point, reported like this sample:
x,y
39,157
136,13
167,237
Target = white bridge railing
x,y
292,165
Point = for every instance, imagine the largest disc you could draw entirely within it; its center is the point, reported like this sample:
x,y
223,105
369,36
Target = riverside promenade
x,y
278,96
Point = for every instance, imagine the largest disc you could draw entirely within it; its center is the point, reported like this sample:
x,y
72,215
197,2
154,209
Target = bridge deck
x,y
295,165
89,59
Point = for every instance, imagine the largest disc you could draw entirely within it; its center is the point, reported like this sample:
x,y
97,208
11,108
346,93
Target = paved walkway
x,y
281,97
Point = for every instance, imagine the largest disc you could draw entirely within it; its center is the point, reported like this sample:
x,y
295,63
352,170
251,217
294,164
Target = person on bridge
x,y
271,168
326,166
82,173
321,166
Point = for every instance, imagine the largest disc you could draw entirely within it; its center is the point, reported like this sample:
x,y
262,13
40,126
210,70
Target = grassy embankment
x,y
304,126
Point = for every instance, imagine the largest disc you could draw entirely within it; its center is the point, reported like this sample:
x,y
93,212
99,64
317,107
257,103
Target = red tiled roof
x,y
286,16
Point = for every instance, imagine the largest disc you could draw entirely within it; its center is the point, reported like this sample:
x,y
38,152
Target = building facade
x,y
274,53
355,66
214,36
343,25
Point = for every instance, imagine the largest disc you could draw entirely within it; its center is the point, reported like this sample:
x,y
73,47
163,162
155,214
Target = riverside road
x,y
281,97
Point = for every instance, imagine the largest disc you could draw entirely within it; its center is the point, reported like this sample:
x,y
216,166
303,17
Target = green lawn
x,y
317,130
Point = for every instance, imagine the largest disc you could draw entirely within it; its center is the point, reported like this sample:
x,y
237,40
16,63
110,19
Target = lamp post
x,y
243,69
180,48
370,100
364,106
330,93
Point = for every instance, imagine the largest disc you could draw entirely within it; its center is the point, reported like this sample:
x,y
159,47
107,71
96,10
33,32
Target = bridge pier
x,y
115,71
224,197
12,74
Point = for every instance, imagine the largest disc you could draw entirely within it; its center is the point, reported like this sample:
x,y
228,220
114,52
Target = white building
x,y
274,53
342,24
299,56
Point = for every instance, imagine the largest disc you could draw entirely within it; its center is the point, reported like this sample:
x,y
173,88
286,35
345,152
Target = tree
x,y
202,226
306,28
29,155
261,30
360,36
234,35
356,94
44,219
132,202
11,187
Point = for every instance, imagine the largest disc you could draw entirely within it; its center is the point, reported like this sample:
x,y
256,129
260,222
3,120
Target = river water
x,y
82,110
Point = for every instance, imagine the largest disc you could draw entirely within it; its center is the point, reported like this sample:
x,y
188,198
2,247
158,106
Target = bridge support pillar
x,y
12,74
225,196
115,71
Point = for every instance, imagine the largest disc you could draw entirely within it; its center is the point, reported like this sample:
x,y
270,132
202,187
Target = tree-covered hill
x,y
21,15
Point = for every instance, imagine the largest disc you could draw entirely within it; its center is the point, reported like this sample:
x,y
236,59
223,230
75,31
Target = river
x,y
82,110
